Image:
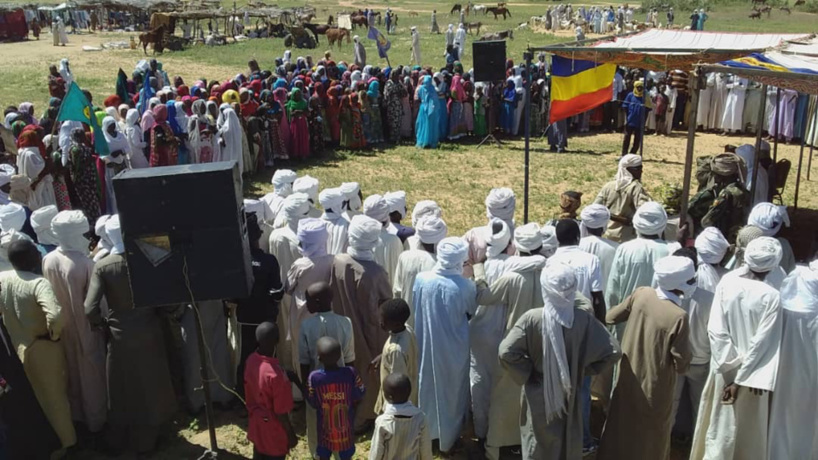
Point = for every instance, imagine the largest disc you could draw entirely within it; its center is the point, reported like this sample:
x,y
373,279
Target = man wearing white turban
x,y
283,180
397,211
655,347
7,171
353,199
549,240
69,269
104,246
422,208
359,287
308,185
792,411
633,262
430,230
549,351
30,163
389,247
41,223
500,204
516,291
747,153
12,220
594,222
745,338
486,329
622,196
771,219
332,200
443,302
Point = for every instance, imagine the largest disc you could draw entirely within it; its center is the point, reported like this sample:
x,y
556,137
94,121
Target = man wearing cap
x,y
745,338
722,204
549,351
622,196
655,347
443,303
634,108
430,231
359,287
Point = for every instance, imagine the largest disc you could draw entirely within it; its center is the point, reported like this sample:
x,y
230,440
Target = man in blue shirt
x,y
634,108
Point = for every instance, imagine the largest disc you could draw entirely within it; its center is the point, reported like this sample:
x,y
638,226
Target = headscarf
x,y
711,246
332,199
12,217
452,253
293,105
569,204
726,164
363,234
69,228
623,176
375,207
230,97
769,218
497,243
638,87
549,240
673,272
799,291
352,190
308,185
527,238
763,254
114,232
558,286
650,219
431,229
160,115
312,237
594,216
396,202
374,91
424,208
283,180
118,140
500,203
41,223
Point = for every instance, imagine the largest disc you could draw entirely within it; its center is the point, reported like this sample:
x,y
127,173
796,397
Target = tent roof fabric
x,y
662,49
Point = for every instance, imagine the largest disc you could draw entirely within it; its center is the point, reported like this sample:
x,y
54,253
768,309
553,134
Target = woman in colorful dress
x,y
316,124
374,97
333,111
393,97
201,134
357,123
480,107
407,121
468,104
457,121
299,130
84,175
427,123
163,143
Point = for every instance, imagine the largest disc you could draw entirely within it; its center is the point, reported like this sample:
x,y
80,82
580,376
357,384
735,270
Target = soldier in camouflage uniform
x,y
724,203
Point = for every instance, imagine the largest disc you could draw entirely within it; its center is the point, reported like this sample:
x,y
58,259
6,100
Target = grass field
x,y
457,176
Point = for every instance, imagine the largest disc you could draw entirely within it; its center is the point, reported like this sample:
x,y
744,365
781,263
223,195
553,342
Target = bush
x,y
811,7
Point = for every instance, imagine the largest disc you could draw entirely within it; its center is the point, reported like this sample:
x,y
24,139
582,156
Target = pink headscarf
x,y
457,88
148,121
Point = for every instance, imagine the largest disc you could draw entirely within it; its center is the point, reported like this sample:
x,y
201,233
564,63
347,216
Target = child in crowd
x,y
400,352
400,432
334,392
324,323
269,399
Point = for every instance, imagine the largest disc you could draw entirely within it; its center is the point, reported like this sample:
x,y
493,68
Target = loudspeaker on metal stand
x,y
489,66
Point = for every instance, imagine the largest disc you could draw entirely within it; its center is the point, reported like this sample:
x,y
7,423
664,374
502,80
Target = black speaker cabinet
x,y
489,60
191,213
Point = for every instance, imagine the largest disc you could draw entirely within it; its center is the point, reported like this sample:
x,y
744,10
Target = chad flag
x,y
578,86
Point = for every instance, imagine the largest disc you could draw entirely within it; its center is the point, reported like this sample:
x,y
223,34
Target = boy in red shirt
x,y
269,399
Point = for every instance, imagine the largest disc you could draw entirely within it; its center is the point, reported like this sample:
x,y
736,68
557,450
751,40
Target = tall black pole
x,y
527,121
777,124
812,140
644,111
759,128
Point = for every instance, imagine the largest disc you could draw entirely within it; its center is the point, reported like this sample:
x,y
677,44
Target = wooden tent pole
x,y
691,140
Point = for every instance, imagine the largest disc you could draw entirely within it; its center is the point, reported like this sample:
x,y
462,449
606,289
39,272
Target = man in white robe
x,y
389,247
309,186
747,153
745,337
732,120
332,200
430,230
415,58
449,38
422,209
282,188
444,300
460,41
793,409
705,97
770,219
500,204
353,201
594,221
718,99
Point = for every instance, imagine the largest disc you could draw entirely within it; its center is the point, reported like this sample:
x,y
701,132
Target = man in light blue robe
x,y
443,303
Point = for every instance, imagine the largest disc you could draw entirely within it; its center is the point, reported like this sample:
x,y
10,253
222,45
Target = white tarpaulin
x,y
664,41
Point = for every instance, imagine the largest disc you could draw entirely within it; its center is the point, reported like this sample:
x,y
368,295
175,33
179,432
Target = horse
x,y
316,29
497,36
457,7
154,37
767,9
337,35
474,25
499,10
479,8
359,21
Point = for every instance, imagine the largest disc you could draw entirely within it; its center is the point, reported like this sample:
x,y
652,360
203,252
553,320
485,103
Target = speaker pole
x,y
527,55
205,375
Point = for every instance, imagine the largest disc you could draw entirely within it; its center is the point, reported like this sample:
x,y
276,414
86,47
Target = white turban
x,y
6,171
114,232
623,176
283,182
295,207
763,254
332,199
12,217
799,292
452,253
396,202
70,227
312,235
558,285
375,207
363,234
41,223
650,219
595,216
527,238
711,245
256,207
673,272
352,192
500,203
424,208
431,229
769,218
308,185
497,242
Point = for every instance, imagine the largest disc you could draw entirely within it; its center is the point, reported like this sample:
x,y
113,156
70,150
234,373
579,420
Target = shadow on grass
x,y
533,149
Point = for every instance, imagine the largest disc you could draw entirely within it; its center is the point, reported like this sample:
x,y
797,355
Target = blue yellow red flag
x,y
578,86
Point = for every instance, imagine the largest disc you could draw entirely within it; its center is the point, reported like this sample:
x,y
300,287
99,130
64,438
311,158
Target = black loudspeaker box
x,y
489,60
176,214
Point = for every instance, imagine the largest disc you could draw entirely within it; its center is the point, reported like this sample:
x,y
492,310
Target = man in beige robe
x,y
359,287
655,348
389,247
622,196
68,269
34,321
